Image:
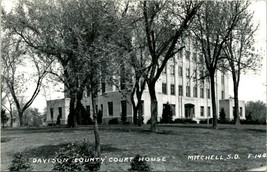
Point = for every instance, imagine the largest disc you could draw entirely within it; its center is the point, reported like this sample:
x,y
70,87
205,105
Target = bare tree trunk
x,y
213,99
96,131
20,113
154,107
71,118
236,111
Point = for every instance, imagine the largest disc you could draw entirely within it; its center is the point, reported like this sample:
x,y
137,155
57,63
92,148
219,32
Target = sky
x,y
252,86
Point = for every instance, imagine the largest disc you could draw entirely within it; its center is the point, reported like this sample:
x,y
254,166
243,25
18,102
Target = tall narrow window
x,y
222,95
208,93
172,89
180,90
241,111
188,91
208,111
187,72
164,88
195,91
180,71
110,108
201,92
201,110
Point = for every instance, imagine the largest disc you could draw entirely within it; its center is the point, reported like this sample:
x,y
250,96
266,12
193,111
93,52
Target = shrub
x,y
73,151
113,121
138,164
20,163
222,115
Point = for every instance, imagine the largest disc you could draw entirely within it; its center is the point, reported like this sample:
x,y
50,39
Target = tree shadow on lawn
x,y
49,151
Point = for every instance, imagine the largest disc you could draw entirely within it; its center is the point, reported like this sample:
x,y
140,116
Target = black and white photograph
x,y
133,85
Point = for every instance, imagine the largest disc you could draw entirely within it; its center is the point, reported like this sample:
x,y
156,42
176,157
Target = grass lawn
x,y
176,143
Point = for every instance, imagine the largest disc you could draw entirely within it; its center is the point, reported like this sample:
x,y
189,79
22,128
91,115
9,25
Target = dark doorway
x,y
189,110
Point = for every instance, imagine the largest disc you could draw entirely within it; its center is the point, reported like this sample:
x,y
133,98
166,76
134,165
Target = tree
x,y
164,23
14,55
76,34
214,24
256,111
240,53
4,118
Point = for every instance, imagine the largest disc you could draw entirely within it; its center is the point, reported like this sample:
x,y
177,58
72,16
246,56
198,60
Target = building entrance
x,y
189,110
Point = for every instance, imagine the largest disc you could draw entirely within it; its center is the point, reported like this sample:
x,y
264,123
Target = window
x,y
187,91
172,89
187,72
201,92
201,110
164,88
195,91
208,93
110,108
187,55
241,111
180,70
180,90
222,95
103,85
172,69
208,111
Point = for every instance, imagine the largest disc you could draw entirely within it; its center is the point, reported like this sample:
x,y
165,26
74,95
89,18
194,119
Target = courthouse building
x,y
182,84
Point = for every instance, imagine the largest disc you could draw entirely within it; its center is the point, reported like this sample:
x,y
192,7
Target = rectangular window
x,y
187,72
241,111
201,92
187,55
195,91
180,70
188,91
172,89
164,88
180,90
208,111
222,95
110,108
201,110
208,93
